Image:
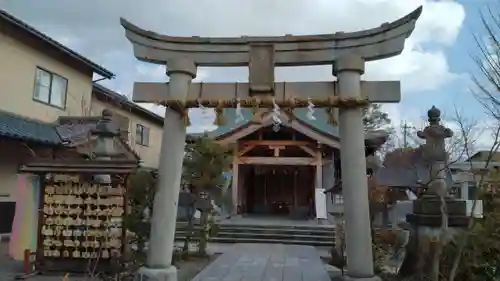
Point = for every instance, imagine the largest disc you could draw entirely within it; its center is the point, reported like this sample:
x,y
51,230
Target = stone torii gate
x,y
346,52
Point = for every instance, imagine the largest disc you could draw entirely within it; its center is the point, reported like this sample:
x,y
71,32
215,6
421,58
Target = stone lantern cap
x,y
434,135
106,126
434,115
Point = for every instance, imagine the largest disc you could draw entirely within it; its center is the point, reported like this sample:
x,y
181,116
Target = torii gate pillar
x,y
163,221
348,70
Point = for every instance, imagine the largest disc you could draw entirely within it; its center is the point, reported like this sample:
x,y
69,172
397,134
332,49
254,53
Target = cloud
x,y
92,28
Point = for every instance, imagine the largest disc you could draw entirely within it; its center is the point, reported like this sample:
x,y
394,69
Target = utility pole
x,y
405,133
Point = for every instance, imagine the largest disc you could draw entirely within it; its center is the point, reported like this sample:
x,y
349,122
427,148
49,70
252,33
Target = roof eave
x,y
99,89
32,140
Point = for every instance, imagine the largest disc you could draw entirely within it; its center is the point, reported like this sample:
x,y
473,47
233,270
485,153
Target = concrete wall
x,y
8,180
8,187
18,66
149,154
12,155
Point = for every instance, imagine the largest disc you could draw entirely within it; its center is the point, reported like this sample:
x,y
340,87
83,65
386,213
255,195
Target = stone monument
x,y
345,52
428,224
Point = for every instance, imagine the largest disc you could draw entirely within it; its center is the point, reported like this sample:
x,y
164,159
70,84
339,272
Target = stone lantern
x,y
104,148
105,132
426,219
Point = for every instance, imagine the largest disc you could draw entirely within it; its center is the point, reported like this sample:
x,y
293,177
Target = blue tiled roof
x,y
14,126
320,123
408,177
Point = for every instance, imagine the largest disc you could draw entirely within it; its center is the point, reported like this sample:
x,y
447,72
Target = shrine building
x,y
284,170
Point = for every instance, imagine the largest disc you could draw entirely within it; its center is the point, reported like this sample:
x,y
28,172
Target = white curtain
x,y
58,91
42,86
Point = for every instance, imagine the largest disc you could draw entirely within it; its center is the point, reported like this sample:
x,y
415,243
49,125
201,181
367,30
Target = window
x,y
50,88
142,135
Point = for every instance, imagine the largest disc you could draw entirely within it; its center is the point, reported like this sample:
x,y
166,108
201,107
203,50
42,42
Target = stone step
x,y
288,236
313,235
277,228
325,228
270,229
283,232
264,241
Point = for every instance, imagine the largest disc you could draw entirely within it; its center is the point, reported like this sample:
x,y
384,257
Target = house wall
x,y
13,154
149,154
8,180
8,184
18,66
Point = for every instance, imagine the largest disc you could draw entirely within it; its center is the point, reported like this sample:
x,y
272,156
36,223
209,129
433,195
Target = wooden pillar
x,y
334,167
319,171
294,187
319,195
235,186
265,182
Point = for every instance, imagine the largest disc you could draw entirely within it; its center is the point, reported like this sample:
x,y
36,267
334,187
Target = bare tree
x,y
487,92
461,147
407,164
479,177
487,59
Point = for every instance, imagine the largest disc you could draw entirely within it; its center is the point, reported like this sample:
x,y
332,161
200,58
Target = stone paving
x,y
266,262
274,253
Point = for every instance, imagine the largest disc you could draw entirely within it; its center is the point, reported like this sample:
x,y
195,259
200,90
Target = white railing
x,y
398,213
478,210
338,199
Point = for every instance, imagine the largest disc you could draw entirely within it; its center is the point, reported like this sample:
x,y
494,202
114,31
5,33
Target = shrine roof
x,y
21,128
408,177
320,124
74,130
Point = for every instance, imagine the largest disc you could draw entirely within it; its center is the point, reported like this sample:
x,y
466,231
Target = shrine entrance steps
x,y
268,231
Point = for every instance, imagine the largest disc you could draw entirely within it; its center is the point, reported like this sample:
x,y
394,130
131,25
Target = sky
x,y
434,68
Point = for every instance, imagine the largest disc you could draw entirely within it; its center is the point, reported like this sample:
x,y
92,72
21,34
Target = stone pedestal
x,y
373,278
353,160
164,217
153,274
426,222
427,212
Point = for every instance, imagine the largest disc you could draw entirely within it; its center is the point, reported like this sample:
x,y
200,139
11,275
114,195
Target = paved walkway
x,y
266,262
9,268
